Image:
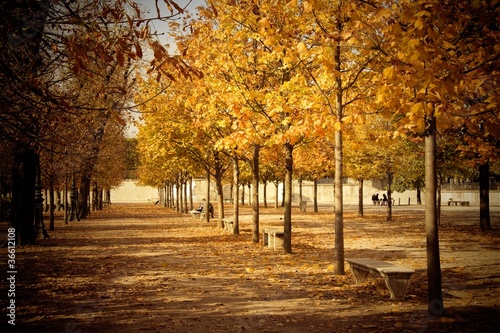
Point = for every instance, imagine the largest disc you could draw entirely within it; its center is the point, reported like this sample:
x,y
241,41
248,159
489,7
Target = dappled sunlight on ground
x,y
136,268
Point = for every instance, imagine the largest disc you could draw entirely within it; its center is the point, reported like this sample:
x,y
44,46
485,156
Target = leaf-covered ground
x,y
144,268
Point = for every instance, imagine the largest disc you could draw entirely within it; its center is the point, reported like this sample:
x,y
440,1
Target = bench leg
x,y
359,274
272,241
397,285
265,239
278,242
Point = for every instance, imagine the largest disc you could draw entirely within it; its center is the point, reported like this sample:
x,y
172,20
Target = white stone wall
x,y
132,193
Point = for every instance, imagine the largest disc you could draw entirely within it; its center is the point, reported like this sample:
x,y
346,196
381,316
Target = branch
x,y
482,64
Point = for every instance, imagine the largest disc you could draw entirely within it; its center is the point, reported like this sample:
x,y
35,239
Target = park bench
x,y
396,277
228,225
383,203
197,214
272,237
452,202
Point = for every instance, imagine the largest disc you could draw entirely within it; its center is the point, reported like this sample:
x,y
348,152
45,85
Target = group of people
x,y
380,201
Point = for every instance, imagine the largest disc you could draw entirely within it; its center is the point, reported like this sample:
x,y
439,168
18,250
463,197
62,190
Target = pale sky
x,y
161,27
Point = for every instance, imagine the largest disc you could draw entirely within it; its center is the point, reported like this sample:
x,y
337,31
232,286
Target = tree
x,y
314,160
347,44
132,158
46,45
366,152
256,90
111,167
272,169
411,173
444,57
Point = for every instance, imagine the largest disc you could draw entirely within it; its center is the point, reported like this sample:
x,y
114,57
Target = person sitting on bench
x,y
384,201
210,208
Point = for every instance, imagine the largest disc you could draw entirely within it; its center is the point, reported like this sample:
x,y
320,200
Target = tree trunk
x,y
301,200
283,194
186,209
276,194
166,189
419,196
315,190
39,226
88,169
255,193
389,195
171,198
47,207
83,196
484,197
220,202
191,207
264,189
1,196
65,199
360,197
438,199
58,200
218,175
24,50
435,296
287,220
339,204
51,202
236,196
250,194
73,197
178,191
99,198
94,196
339,207
207,193
243,195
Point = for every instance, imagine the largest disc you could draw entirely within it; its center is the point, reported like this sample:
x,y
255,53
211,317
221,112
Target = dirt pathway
x,y
139,268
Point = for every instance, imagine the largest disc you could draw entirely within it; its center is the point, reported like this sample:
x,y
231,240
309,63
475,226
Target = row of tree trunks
x,y
177,195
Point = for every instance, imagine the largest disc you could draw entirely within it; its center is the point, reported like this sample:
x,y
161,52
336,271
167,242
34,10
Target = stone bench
x,y
456,203
396,277
384,203
197,214
272,237
228,225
